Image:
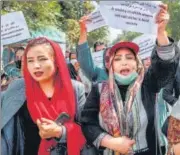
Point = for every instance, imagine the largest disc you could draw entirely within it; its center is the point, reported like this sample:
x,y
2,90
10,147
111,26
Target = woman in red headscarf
x,y
53,103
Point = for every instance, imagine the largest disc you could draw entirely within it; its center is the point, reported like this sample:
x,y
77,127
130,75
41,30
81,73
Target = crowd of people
x,y
56,105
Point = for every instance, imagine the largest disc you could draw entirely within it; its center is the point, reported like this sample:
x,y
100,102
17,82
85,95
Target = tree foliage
x,y
126,36
173,27
63,15
174,23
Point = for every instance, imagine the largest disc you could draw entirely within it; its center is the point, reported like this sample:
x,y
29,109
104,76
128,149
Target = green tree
x,y
126,36
174,23
37,13
62,15
72,12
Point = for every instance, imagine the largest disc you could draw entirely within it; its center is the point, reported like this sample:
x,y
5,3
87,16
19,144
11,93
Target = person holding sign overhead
x,y
118,116
93,72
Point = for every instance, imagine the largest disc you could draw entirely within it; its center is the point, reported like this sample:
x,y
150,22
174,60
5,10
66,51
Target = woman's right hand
x,y
122,144
83,29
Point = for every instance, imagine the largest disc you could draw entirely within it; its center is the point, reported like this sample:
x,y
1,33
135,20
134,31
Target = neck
x,y
47,87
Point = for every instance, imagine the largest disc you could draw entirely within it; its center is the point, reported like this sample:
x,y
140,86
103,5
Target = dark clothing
x,y
172,91
158,75
31,132
72,71
123,90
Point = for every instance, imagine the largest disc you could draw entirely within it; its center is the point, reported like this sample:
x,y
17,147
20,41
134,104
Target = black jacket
x,y
172,90
158,75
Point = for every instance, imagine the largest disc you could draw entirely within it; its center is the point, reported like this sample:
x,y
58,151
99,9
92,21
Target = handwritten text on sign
x,y
13,28
134,18
146,44
95,21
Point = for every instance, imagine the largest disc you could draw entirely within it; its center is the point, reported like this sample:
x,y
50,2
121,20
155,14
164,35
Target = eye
x,y
130,57
42,59
117,59
29,61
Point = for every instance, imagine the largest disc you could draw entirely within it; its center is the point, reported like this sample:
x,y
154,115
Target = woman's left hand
x,y
48,128
162,20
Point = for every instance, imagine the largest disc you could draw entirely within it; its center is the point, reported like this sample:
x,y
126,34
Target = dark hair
x,y
19,48
71,53
98,43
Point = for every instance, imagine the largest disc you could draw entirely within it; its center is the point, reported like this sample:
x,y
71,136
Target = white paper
x,y
98,59
152,6
134,17
95,21
146,44
13,28
1,55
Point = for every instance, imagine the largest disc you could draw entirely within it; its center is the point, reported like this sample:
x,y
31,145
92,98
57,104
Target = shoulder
x,y
16,85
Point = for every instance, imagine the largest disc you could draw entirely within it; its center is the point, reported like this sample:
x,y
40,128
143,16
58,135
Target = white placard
x,y
146,44
1,55
95,21
152,6
98,59
133,17
13,28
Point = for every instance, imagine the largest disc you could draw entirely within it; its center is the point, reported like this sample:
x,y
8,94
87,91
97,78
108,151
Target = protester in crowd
x,y
8,56
171,94
99,46
172,90
5,80
13,69
67,56
161,109
146,62
118,116
93,72
76,72
40,113
174,130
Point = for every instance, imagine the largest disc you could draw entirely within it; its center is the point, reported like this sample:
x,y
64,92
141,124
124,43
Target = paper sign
x,y
98,59
1,55
95,21
152,6
13,28
134,17
146,44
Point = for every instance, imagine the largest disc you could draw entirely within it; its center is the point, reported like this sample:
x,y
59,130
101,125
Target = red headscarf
x,y
63,100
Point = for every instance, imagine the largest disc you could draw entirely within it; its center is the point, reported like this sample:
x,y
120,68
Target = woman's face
x,y
40,63
124,62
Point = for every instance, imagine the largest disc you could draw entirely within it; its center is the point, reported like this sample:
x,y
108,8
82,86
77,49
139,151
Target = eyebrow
x,y
41,56
125,54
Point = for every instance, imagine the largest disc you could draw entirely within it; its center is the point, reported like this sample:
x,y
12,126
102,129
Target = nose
x,y
36,65
124,62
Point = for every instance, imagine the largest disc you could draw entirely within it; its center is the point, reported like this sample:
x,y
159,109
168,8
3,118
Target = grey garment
x,y
80,99
12,100
166,52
